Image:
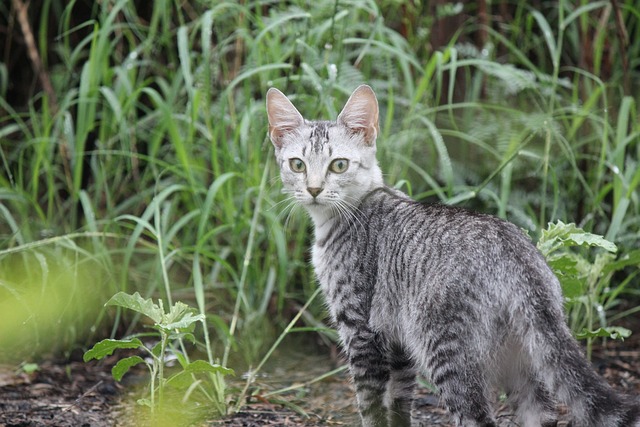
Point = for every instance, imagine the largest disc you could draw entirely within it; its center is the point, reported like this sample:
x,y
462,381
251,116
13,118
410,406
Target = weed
x,y
173,327
586,277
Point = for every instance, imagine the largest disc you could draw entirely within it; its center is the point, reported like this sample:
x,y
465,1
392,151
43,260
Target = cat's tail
x,y
569,375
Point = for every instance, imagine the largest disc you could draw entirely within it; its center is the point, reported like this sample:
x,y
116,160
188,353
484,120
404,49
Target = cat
x,y
462,297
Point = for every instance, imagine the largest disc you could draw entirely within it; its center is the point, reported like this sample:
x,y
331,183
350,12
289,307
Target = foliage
x,y
173,327
586,278
51,296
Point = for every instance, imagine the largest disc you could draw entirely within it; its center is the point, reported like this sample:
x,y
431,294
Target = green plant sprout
x,y
173,326
585,279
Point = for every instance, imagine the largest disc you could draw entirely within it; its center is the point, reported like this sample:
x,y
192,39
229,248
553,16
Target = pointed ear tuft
x,y
360,113
283,116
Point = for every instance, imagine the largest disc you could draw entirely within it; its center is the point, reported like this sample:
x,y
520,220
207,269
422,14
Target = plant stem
x,y
245,265
160,360
253,372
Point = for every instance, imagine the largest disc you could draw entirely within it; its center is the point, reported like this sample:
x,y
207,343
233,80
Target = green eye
x,y
297,165
339,165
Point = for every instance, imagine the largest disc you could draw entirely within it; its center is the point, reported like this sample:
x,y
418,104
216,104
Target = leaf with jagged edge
x,y
136,303
561,235
108,346
180,316
613,332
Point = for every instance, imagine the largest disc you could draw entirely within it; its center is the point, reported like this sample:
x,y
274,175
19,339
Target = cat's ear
x,y
283,116
360,114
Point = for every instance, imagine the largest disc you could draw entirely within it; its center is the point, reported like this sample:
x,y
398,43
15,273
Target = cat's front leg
x,y
370,371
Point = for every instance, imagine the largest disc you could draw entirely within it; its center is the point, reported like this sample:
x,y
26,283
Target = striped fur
x,y
464,298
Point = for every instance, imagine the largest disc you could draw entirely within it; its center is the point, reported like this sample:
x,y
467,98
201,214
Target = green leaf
x,y
144,402
184,378
177,311
565,264
185,322
157,349
613,332
181,359
180,316
548,35
582,10
203,366
561,235
630,259
136,303
30,368
123,366
572,287
186,336
583,238
108,346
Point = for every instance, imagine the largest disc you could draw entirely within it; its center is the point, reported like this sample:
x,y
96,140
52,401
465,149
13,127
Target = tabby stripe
x,y
377,387
368,361
333,230
442,358
401,364
445,376
343,319
342,235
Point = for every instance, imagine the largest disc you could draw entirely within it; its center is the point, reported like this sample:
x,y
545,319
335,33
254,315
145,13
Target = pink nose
x,y
314,191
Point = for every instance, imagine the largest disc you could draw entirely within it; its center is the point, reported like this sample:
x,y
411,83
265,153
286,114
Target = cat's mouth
x,y
314,202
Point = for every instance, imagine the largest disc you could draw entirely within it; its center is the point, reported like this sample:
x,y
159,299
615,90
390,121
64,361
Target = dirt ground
x,y
84,394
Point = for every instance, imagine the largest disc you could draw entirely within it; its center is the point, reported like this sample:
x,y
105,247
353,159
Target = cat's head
x,y
327,166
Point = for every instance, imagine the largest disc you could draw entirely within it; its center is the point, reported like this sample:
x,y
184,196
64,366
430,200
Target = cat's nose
x,y
314,191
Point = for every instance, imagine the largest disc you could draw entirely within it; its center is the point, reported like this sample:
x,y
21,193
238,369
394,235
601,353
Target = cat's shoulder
x,y
391,199
398,200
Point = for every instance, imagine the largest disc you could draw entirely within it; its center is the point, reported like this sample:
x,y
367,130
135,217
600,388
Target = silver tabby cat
x,y
462,297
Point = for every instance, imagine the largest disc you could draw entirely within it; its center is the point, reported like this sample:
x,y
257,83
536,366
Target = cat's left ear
x,y
360,113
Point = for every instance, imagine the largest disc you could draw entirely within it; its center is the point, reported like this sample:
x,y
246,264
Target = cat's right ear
x,y
283,116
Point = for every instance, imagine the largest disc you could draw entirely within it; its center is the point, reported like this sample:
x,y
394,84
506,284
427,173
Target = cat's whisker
x,y
294,208
342,211
288,199
353,210
287,209
274,180
349,213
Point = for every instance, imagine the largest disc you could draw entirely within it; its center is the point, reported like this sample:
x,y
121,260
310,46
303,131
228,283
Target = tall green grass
x,y
153,172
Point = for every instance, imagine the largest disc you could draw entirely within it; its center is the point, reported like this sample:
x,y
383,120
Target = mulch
x,y
59,394
74,394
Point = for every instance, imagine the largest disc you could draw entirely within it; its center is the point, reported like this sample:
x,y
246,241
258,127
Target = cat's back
x,y
401,240
419,246
437,225
392,231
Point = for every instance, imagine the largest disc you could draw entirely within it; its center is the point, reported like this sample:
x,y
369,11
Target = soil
x,y
84,394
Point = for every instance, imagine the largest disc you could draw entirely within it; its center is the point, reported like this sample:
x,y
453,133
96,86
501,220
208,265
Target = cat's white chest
x,y
319,256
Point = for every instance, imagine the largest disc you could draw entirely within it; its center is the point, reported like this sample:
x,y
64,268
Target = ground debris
x,y
74,394
58,394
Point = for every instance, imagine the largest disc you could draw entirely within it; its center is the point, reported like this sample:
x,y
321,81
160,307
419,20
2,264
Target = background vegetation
x,y
134,155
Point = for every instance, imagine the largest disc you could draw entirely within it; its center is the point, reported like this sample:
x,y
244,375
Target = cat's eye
x,y
339,165
297,165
